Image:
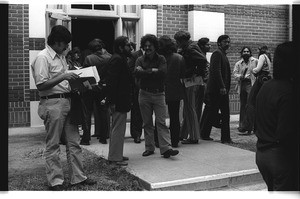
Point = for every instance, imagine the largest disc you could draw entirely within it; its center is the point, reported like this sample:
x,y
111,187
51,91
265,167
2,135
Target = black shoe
x,y
170,152
227,142
245,133
188,141
95,136
156,145
102,141
88,182
118,163
137,140
208,138
59,187
84,143
242,130
147,153
125,158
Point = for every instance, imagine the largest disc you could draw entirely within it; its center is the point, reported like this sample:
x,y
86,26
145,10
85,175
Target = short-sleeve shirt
x,y
47,65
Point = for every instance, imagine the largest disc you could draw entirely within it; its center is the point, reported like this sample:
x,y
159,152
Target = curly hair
x,y
182,36
166,45
151,38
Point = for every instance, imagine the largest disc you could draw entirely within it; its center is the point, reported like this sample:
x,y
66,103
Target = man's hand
x,y
139,68
154,69
223,91
70,76
112,108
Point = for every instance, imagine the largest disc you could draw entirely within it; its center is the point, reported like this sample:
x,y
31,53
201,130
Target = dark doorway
x,y
85,30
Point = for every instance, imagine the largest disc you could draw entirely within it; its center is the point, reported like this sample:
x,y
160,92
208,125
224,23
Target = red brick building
x,y
29,25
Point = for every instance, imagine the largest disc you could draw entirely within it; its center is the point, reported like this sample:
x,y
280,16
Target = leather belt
x,y
153,90
61,95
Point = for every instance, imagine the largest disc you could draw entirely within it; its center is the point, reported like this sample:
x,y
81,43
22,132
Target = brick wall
x,y
251,25
18,62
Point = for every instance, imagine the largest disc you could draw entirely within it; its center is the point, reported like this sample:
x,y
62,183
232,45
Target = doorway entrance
x,y
85,30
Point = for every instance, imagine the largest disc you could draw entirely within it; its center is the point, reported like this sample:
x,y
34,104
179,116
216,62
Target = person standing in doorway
x,y
151,68
245,79
218,86
119,84
49,71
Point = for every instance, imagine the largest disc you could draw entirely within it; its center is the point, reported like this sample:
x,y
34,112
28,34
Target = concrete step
x,y
240,180
252,186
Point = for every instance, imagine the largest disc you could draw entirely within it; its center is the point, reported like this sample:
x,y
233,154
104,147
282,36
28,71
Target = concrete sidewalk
x,y
204,166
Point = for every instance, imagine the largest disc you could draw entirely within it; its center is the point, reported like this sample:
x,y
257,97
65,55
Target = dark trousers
x,y
101,117
248,122
215,103
244,93
277,170
173,108
136,121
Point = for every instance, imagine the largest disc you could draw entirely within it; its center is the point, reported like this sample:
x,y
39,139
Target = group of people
x,y
153,79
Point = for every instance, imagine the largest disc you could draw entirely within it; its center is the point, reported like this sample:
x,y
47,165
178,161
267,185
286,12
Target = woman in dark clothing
x,y
173,86
277,155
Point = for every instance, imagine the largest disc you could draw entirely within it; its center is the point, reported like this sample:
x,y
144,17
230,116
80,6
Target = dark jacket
x,y
219,72
195,60
119,83
148,79
175,71
274,112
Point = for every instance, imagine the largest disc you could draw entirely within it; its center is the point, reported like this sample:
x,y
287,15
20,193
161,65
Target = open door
x,y
53,19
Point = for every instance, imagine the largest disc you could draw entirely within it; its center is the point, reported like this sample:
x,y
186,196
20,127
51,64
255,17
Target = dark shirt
x,y
219,72
275,116
196,62
149,79
119,83
173,86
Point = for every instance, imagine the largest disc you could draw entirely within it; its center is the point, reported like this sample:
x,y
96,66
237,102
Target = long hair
x,y
244,49
166,45
182,36
264,50
59,33
119,41
151,38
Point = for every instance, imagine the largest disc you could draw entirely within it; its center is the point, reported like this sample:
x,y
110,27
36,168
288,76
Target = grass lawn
x,y
27,168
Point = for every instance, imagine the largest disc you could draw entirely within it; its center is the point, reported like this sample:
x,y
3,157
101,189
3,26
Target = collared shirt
x,y
241,66
148,79
47,65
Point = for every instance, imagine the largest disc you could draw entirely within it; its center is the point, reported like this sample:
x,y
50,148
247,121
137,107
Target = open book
x,y
88,77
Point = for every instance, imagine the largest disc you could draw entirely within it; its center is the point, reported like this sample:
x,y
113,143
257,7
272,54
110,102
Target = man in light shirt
x,y
49,71
242,72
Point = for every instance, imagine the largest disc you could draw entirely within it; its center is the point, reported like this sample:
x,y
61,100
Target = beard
x,y
246,57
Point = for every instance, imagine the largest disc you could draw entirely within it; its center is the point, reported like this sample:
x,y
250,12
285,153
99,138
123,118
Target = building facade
x,y
30,24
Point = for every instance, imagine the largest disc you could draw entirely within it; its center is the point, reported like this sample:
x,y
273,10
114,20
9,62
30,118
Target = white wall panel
x,y
148,21
37,28
206,24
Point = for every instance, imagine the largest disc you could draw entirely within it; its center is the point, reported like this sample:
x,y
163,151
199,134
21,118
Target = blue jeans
x,y
149,103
